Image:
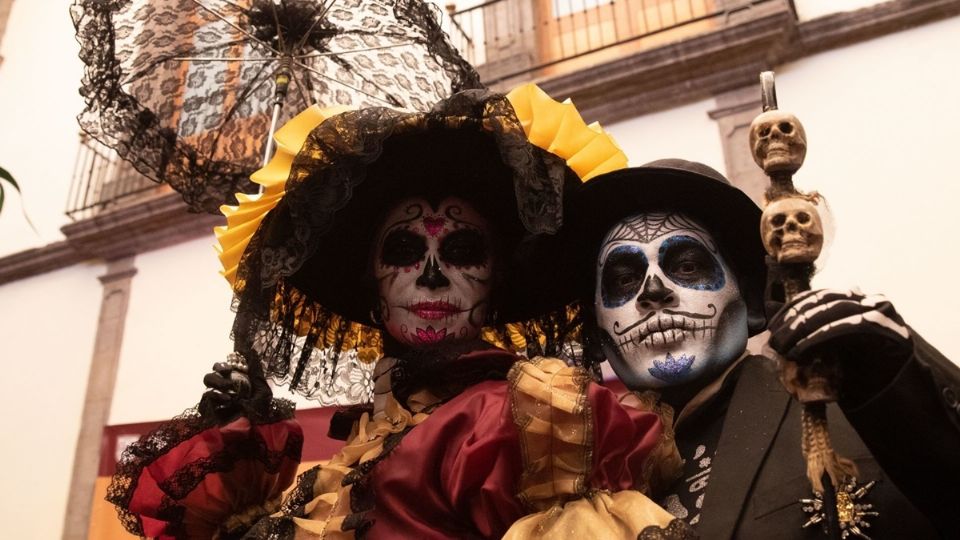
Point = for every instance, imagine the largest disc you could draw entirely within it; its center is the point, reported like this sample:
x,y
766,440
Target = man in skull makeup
x,y
672,289
664,289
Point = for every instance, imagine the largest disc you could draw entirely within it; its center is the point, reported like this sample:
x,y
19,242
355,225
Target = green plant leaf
x,y
5,175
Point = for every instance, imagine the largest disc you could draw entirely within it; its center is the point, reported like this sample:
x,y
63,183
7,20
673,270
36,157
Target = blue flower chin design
x,y
672,369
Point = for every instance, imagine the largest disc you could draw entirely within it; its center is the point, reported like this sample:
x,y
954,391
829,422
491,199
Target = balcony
x,y
101,181
514,40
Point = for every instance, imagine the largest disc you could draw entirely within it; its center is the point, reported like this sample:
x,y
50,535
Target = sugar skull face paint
x,y
668,307
433,269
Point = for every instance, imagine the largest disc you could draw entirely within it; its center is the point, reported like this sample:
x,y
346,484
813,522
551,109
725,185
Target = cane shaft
x,y
778,142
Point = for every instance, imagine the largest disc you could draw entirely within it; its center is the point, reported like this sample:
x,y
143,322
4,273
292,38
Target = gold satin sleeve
x,y
326,512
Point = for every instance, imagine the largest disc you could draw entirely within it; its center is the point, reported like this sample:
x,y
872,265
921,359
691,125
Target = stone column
x,y
735,110
100,385
734,113
5,6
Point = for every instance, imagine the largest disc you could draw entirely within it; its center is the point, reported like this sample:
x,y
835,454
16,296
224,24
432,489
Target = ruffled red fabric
x,y
624,438
456,475
224,471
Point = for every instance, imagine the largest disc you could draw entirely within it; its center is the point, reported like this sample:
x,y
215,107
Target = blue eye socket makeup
x,y
689,264
622,275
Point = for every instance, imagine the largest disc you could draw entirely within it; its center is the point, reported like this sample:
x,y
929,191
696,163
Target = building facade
x,y
119,295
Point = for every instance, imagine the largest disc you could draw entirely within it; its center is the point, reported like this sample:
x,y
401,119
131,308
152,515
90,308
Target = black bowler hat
x,y
675,185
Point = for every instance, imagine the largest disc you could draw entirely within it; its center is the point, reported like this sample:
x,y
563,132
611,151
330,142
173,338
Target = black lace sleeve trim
x,y
140,455
675,530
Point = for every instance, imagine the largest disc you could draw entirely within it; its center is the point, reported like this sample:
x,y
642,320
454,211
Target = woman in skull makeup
x,y
422,226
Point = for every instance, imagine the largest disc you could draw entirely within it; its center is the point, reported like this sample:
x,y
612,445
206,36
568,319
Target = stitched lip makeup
x,y
434,311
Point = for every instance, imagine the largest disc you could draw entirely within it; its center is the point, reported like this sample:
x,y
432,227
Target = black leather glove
x,y
228,386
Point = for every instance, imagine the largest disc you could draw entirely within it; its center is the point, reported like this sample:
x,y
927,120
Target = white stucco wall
x,y
683,132
811,9
39,134
47,329
178,325
881,118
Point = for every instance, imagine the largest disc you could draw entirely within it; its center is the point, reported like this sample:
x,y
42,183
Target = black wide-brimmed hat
x,y
674,185
298,255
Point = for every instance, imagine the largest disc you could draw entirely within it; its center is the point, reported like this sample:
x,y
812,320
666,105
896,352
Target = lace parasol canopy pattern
x,y
185,89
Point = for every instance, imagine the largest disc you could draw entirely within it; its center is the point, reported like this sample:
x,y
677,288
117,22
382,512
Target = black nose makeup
x,y
432,277
654,293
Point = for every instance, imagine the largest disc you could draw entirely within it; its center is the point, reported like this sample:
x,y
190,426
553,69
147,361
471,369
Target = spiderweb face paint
x,y
433,268
667,305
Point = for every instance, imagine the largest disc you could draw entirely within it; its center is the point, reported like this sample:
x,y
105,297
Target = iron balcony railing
x,y
505,39
102,180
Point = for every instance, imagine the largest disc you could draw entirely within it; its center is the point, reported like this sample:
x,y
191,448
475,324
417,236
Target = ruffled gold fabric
x,y
244,218
598,515
664,462
513,336
325,514
550,409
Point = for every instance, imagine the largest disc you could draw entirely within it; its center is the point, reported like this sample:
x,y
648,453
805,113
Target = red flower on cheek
x,y
428,336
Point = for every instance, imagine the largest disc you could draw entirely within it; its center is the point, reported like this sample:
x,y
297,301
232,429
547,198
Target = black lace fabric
x,y
303,283
184,89
187,475
677,529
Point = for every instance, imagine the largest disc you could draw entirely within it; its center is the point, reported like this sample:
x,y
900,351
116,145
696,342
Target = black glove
x,y
228,387
865,334
815,320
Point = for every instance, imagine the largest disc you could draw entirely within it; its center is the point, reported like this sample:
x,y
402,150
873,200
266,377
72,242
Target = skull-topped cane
x,y
792,232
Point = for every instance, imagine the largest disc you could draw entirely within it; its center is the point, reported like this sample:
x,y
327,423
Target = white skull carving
x,y
792,230
778,141
668,308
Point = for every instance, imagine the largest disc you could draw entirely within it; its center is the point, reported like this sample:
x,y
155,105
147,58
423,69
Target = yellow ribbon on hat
x,y
244,218
551,125
559,129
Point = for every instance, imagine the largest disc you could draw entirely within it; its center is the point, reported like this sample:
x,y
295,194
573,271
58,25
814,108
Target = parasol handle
x,y
281,85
